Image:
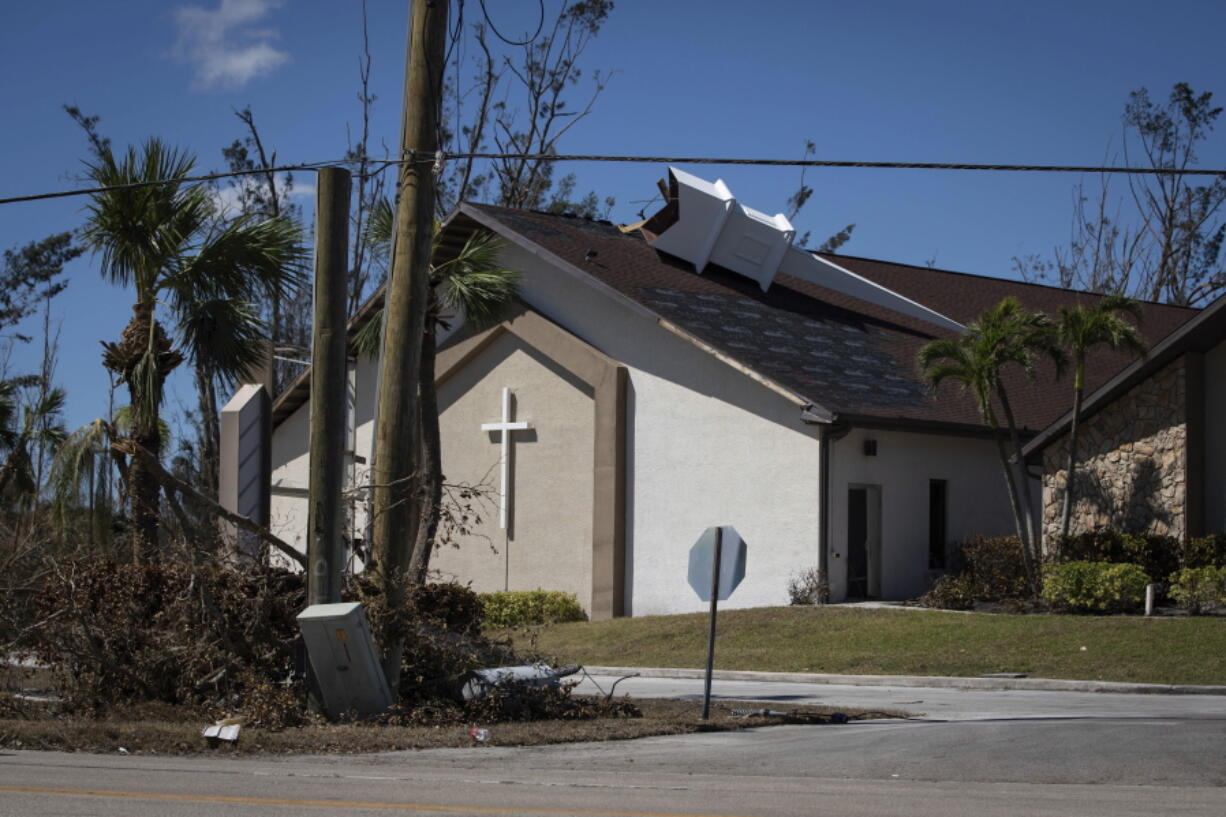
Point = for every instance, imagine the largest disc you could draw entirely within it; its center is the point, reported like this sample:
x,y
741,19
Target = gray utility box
x,y
344,660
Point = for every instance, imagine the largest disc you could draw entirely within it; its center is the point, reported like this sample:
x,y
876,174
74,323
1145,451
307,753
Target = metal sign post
x,y
707,558
706,687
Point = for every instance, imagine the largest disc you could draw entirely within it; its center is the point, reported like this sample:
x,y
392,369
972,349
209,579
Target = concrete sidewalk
x,y
927,681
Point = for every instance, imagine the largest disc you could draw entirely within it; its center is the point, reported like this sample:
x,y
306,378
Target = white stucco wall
x,y
291,460
703,455
977,501
291,464
707,446
1215,439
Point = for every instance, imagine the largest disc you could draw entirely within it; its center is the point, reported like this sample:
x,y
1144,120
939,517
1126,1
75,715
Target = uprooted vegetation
x,y
220,638
142,656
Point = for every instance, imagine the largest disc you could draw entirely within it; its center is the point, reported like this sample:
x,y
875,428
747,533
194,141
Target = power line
x,y
59,194
706,160
539,25
675,160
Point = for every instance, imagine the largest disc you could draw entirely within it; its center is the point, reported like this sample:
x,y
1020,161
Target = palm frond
x,y
245,260
1081,329
121,424
8,413
41,424
83,452
379,226
366,340
140,231
224,334
146,387
475,283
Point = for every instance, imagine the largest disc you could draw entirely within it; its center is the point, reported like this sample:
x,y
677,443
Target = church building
x,y
698,369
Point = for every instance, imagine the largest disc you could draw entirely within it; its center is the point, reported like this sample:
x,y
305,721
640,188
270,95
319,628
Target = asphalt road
x,y
973,753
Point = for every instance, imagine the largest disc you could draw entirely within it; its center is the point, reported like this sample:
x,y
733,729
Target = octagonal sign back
x,y
731,563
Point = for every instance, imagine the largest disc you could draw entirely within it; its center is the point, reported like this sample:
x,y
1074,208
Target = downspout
x,y
824,441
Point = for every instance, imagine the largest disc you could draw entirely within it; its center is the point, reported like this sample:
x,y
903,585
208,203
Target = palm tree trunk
x,y
210,432
430,484
1031,541
144,492
1066,513
141,338
1011,483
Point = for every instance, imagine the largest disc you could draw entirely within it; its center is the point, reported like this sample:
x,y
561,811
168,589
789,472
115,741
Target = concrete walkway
x,y
943,704
1004,681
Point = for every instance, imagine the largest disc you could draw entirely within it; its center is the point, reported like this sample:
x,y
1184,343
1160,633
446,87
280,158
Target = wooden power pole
x,y
329,388
405,313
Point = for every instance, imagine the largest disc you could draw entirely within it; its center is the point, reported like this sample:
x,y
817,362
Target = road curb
x,y
931,681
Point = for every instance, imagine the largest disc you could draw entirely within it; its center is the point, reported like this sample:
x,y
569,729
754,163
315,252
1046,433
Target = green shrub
x,y
1157,555
950,593
517,608
1199,589
1207,551
1094,587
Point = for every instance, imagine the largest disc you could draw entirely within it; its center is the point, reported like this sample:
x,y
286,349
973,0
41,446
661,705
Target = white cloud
x,y
222,44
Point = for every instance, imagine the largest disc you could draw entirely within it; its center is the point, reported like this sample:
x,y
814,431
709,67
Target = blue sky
x,y
1040,82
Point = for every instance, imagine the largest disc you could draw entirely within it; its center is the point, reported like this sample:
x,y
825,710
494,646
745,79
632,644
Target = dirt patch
x,y
163,730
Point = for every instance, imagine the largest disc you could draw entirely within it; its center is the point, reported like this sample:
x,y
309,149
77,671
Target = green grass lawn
x,y
902,642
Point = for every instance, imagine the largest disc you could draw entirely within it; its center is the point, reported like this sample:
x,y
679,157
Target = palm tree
x,y
1004,335
1079,331
40,427
162,239
77,469
472,284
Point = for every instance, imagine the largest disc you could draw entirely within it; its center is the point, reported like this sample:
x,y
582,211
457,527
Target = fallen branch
x,y
168,480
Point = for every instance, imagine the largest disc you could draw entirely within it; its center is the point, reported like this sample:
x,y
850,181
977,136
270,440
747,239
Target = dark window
x,y
936,524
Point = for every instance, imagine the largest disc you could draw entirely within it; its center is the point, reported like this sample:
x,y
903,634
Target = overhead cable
x,y
435,158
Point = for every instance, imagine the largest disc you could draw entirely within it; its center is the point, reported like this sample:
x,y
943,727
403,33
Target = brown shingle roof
x,y
850,356
963,296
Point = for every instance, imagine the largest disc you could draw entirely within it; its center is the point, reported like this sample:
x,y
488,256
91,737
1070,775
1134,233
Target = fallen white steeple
x,y
711,227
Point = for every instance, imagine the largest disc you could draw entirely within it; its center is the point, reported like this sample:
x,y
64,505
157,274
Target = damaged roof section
x,y
841,361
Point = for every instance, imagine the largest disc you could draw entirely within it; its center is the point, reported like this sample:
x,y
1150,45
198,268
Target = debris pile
x,y
221,639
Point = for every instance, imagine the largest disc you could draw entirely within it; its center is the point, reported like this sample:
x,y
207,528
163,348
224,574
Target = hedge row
x,y
518,608
990,569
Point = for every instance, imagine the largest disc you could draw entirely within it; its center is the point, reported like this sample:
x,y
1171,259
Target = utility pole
x,y
405,314
329,388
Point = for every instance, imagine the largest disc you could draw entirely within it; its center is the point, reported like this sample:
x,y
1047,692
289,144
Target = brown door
x,y
857,543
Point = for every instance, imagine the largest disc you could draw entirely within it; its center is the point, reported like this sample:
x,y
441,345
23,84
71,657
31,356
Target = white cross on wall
x,y
504,429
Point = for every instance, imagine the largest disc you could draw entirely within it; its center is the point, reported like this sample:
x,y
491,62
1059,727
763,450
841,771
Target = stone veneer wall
x,y
1131,465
